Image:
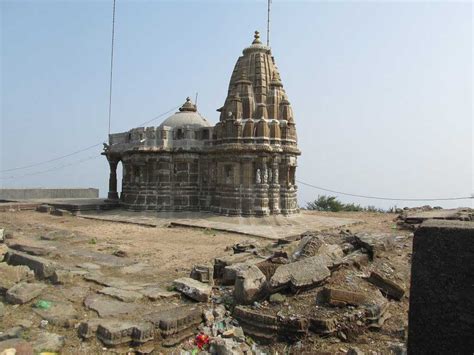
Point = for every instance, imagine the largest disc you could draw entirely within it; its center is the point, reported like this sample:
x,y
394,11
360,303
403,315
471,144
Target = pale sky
x,y
382,91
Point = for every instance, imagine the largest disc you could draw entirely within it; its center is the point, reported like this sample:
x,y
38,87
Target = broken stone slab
x,y
262,327
221,263
43,268
120,294
342,298
48,342
106,307
194,289
229,274
203,273
375,244
311,246
302,274
108,281
24,292
11,275
250,285
176,323
60,313
89,266
32,249
388,287
115,332
155,293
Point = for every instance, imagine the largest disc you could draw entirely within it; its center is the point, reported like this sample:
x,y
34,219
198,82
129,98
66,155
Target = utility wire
x,y
52,169
73,153
111,64
50,160
385,198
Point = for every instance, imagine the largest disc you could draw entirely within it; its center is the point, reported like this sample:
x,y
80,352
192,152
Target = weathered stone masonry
x,y
244,165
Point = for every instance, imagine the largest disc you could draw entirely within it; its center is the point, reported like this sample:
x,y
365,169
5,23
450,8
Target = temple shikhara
x,y
244,165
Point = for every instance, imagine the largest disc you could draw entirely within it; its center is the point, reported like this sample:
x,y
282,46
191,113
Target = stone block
x,y
342,298
62,277
375,244
323,325
115,332
24,292
176,323
193,289
302,274
203,273
250,285
11,275
388,287
441,313
43,268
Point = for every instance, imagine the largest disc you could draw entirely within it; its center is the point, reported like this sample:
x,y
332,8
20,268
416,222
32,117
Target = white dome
x,y
186,116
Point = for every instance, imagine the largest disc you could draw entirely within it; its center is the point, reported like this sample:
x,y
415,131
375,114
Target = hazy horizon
x,y
381,91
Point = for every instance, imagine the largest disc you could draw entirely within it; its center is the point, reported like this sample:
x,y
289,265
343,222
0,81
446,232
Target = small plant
x,y
170,288
93,241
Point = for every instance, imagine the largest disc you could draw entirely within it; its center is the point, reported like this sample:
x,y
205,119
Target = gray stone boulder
x,y
302,274
24,292
250,285
193,289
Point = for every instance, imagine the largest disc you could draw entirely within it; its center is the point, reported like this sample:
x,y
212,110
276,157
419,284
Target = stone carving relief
x,y
258,179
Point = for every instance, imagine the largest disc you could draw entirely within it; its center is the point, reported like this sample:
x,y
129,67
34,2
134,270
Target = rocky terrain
x,y
76,286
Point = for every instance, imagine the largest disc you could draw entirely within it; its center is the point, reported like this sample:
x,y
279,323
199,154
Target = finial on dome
x,y
257,38
188,106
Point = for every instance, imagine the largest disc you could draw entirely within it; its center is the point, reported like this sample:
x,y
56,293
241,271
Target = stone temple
x,y
244,165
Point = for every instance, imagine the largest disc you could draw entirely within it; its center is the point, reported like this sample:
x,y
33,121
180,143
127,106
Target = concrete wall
x,y
441,314
31,194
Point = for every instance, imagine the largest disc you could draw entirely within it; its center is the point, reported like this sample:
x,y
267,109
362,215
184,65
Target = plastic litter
x,y
43,304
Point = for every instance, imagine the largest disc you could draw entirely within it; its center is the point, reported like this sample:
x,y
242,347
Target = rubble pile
x,y
333,288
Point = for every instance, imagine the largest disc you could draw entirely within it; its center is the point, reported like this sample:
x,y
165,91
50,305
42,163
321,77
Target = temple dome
x,y
187,116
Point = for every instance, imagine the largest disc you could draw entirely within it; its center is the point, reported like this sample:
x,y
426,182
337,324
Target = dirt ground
x,y
169,253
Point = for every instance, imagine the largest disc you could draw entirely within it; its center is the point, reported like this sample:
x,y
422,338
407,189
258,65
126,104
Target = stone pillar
x,y
441,313
113,194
